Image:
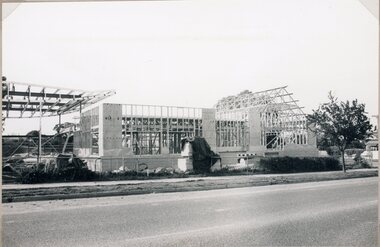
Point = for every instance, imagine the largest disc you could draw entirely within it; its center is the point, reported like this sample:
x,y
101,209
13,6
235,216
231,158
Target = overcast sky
x,y
192,53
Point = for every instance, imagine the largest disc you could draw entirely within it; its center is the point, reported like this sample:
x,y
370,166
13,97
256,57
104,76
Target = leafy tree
x,y
341,124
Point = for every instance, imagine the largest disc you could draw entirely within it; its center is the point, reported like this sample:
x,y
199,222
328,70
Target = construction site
x,y
110,136
267,123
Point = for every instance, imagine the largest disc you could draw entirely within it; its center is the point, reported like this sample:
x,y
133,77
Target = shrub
x,y
295,164
69,174
356,151
333,151
73,174
34,177
360,163
225,171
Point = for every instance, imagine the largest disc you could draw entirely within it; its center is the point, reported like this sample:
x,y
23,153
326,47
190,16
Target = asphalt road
x,y
333,213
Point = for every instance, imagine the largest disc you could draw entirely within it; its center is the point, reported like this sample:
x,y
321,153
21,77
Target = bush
x,y
225,171
333,151
356,151
295,164
360,163
34,177
69,174
72,174
141,175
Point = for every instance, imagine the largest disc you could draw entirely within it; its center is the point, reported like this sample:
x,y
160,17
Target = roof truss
x,y
22,100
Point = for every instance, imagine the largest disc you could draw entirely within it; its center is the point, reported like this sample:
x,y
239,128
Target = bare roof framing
x,y
23,100
280,116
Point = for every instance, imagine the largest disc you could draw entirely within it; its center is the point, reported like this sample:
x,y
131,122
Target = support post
x,y
59,123
122,159
40,136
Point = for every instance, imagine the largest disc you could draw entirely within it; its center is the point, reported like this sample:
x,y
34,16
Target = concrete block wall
x,y
298,150
311,136
229,149
83,142
228,158
110,129
94,164
82,152
131,162
254,125
208,126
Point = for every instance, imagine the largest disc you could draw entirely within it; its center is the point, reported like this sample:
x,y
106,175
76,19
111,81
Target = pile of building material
x,y
197,155
17,168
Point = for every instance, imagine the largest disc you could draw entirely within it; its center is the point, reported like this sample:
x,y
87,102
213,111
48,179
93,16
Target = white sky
x,y
192,53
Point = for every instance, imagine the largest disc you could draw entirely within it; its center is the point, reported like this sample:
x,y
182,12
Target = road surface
x,y
333,213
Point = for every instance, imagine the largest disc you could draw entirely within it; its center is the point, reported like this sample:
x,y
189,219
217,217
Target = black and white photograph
x,y
190,123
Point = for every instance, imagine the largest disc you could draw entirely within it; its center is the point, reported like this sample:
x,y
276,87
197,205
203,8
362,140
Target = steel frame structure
x,y
32,144
282,121
39,101
24,100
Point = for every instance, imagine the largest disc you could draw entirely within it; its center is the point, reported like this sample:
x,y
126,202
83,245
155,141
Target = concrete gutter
x,y
56,191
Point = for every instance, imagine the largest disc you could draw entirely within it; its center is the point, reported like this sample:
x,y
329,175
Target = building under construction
x,y
266,123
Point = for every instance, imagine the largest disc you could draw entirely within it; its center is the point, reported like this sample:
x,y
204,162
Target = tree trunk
x,y
343,162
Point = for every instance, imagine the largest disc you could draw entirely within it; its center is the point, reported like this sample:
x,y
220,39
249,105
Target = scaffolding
x,y
282,121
